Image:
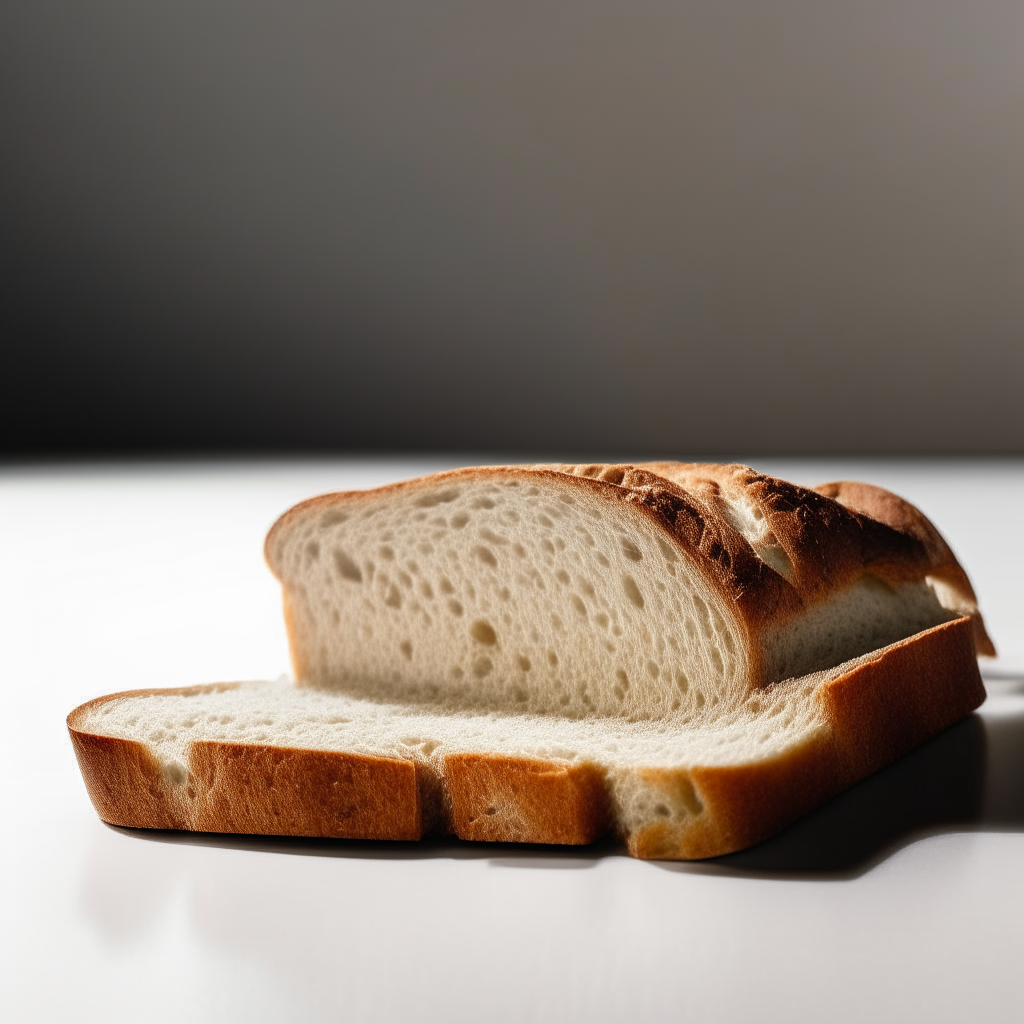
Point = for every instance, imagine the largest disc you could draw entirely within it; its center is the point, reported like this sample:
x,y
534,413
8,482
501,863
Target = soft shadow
x,y
968,778
520,855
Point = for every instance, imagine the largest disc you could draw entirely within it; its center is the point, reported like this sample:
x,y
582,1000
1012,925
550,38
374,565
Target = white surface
x,y
116,578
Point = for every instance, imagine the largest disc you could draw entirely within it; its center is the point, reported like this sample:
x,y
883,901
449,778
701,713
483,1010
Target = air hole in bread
x,y
486,556
483,633
441,497
688,797
630,550
347,569
632,591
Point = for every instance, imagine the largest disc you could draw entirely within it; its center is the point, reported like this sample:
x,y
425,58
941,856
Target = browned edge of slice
x,y
894,701
249,788
891,702
526,800
738,806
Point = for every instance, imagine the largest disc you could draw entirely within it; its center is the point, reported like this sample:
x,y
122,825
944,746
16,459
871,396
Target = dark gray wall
x,y
767,226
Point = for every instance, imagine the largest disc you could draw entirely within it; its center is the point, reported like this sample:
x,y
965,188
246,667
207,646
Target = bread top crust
x,y
828,545
886,507
771,549
830,536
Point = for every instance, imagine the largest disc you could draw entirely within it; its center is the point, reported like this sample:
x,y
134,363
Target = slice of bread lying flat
x,y
686,656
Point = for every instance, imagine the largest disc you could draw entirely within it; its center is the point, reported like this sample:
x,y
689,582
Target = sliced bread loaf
x,y
687,656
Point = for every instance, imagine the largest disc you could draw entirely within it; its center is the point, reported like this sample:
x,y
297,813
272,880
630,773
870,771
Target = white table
x,y
902,900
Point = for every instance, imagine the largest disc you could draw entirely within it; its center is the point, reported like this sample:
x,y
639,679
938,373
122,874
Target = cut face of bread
x,y
544,591
686,656
517,592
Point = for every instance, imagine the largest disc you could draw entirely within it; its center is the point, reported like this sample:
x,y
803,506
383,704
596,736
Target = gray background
x,y
650,227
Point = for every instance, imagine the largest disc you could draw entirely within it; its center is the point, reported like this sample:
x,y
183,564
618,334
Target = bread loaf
x,y
687,656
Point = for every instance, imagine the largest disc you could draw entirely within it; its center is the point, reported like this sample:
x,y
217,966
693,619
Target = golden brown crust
x,y
287,792
124,782
249,788
829,545
895,700
739,806
881,708
526,800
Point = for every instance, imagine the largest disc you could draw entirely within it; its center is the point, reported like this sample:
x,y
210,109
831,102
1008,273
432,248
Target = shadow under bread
x,y
969,778
525,855
939,787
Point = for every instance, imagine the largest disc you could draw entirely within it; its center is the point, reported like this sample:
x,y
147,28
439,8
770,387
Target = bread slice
x,y
689,657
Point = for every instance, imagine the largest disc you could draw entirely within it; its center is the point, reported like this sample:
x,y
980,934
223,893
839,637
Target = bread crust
x,y
526,800
887,703
889,508
828,545
249,788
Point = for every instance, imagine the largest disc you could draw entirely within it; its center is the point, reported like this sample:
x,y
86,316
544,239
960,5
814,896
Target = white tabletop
x,y
901,900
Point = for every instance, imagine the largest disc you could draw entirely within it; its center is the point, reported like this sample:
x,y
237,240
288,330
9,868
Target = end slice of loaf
x,y
687,656
272,758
